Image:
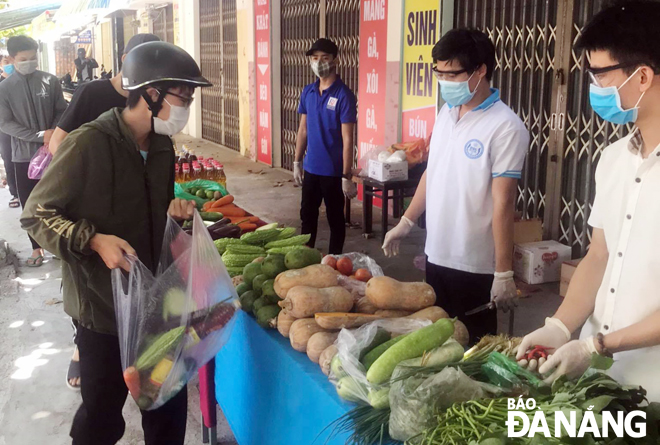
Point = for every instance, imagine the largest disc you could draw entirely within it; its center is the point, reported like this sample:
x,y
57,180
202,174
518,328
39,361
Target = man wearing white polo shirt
x,y
476,157
615,291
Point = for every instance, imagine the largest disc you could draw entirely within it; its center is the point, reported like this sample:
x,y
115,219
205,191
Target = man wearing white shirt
x,y
615,292
476,157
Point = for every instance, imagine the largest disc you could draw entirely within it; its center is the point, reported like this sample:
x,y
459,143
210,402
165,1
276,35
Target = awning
x,y
75,9
20,16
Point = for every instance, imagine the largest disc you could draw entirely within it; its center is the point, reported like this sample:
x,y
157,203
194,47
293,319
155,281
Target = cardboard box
x,y
388,171
537,263
567,271
527,231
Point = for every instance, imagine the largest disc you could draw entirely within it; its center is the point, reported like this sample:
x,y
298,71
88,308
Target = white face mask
x,y
175,123
27,67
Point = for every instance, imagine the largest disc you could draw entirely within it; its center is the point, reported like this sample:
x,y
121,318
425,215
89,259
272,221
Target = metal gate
x,y
163,23
523,33
219,63
304,21
300,28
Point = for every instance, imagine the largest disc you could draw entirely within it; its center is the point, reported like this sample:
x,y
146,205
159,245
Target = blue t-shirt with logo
x,y
326,113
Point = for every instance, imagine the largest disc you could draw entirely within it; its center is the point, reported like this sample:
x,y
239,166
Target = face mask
x,y
8,69
27,67
606,102
322,68
175,123
457,93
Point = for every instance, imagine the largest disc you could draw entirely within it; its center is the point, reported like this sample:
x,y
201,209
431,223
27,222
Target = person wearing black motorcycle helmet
x,y
106,194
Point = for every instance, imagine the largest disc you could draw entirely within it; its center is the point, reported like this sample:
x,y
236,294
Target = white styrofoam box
x,y
540,262
388,171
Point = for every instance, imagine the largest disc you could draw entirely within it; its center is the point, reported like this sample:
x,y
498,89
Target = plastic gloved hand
x,y
571,360
552,336
393,237
297,174
504,292
349,188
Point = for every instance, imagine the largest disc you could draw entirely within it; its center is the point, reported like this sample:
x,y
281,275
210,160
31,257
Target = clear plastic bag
x,y
39,162
347,372
173,323
362,261
415,401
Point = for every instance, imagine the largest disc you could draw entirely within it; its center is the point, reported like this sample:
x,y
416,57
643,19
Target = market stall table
x,y
271,394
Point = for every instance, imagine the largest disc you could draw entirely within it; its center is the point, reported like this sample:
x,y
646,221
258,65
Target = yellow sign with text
x,y
421,31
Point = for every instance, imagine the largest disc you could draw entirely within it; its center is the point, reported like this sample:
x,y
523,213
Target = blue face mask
x,y
606,102
457,93
9,69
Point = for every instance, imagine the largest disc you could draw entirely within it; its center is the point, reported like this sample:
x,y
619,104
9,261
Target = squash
x,y
326,358
318,343
300,332
341,320
388,293
433,313
318,275
393,313
305,301
364,306
284,321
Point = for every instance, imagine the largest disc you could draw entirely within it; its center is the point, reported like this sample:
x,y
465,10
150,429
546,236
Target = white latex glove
x,y
393,237
504,292
553,336
349,188
297,174
571,360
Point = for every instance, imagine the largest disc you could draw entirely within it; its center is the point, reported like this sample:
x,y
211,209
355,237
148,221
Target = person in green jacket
x,y
107,194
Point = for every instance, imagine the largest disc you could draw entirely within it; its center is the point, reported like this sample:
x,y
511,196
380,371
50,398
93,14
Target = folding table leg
x,y
214,436
205,432
385,213
347,206
367,210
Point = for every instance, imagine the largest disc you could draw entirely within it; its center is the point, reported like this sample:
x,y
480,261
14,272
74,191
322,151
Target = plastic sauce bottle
x,y
222,178
186,172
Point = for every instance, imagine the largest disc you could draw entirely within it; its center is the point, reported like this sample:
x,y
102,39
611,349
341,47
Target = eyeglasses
x,y
595,74
187,101
446,75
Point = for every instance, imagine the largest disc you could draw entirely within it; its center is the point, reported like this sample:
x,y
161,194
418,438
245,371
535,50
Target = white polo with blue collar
x,y
465,155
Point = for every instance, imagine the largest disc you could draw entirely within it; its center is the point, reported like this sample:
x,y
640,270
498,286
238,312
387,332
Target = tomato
x,y
363,275
330,261
345,266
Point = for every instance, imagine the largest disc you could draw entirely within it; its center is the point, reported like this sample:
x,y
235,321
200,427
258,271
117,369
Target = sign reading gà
x,y
419,87
373,67
264,81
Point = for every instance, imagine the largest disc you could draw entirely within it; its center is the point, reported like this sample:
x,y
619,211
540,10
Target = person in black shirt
x,y
95,98
89,102
85,66
5,142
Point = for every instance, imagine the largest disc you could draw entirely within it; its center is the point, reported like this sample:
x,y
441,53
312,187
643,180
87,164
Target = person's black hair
x,y
629,31
471,48
17,44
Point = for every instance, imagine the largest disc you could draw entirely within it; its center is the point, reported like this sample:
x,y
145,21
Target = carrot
x,y
132,380
224,201
247,227
238,219
207,205
230,210
253,219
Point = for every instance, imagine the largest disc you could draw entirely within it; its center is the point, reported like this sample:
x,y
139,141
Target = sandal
x,y
73,373
35,261
14,203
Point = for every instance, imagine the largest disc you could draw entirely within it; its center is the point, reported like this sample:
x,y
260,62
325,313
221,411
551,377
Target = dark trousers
x,y
327,189
459,292
25,186
99,419
5,152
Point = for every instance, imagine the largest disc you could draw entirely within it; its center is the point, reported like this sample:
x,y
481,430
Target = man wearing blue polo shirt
x,y
476,157
325,139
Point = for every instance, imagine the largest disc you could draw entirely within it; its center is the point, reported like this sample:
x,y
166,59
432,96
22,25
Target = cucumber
x,y
259,303
247,300
250,272
412,346
273,265
380,337
242,288
371,356
268,290
450,352
350,389
211,216
259,281
337,368
380,398
303,257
